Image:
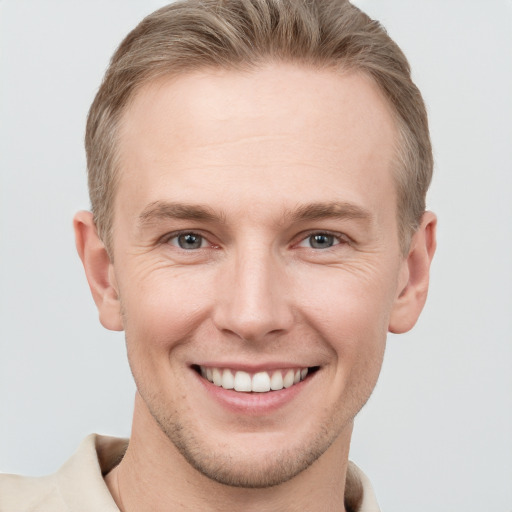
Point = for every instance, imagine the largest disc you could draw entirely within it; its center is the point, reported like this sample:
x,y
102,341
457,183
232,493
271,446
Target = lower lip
x,y
253,404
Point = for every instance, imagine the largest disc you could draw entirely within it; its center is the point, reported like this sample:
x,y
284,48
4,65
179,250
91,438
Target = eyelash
x,y
338,239
175,236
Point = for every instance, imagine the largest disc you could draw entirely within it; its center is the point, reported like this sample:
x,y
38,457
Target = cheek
x,y
351,314
161,309
347,303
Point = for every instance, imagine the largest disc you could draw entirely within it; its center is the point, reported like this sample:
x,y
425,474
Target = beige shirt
x,y
78,486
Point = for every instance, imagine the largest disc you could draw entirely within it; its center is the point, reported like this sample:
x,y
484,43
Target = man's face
x,y
255,240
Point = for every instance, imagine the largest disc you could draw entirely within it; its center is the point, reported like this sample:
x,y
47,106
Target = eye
x,y
321,241
188,241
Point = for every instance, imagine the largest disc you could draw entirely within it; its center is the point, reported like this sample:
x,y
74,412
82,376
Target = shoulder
x,y
28,494
78,486
359,494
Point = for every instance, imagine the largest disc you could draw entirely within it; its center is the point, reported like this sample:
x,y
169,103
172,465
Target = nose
x,y
254,301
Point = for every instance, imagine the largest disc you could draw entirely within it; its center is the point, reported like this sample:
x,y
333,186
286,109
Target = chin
x,y
249,468
255,462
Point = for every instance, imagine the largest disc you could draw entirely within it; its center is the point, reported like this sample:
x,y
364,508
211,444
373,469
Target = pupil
x,y
321,241
189,241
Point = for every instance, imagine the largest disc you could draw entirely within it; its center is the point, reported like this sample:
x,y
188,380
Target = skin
x,y
253,164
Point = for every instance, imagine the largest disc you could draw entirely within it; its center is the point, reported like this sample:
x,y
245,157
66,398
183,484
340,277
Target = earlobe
x,y
414,277
98,270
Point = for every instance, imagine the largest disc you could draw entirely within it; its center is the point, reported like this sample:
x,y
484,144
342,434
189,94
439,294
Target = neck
x,y
153,475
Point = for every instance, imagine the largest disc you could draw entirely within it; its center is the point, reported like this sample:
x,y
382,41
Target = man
x,y
257,173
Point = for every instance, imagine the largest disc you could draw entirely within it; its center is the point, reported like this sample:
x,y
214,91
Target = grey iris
x,y
321,241
189,241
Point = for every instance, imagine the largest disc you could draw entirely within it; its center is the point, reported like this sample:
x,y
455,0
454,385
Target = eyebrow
x,y
332,210
161,210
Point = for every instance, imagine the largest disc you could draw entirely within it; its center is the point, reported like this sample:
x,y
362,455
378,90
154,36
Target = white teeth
x,y
217,377
243,381
260,382
276,382
288,379
228,381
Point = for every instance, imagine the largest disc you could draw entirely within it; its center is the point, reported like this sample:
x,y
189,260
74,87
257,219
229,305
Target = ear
x,y
99,271
414,277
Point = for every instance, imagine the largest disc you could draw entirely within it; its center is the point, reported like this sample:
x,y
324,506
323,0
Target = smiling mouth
x,y
259,382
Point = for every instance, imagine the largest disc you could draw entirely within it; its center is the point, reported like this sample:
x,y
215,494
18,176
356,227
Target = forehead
x,y
301,129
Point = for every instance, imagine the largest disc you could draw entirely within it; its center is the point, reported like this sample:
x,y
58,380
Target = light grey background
x,y
437,433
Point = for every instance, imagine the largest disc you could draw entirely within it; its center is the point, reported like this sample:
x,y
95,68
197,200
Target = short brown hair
x,y
240,34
